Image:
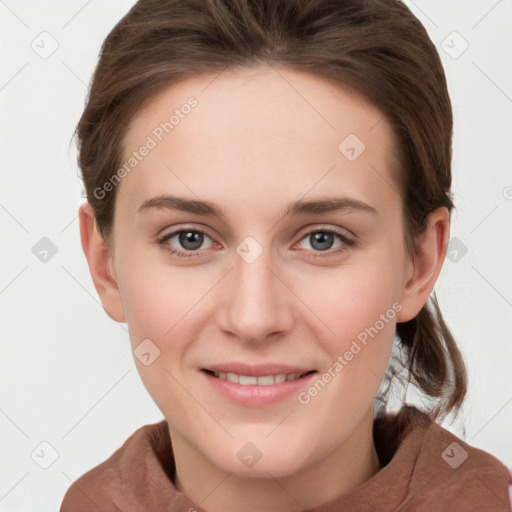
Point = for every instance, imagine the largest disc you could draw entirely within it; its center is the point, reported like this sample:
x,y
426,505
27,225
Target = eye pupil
x,y
193,237
324,239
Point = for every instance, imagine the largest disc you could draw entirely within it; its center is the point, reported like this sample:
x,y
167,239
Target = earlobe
x,y
100,264
428,261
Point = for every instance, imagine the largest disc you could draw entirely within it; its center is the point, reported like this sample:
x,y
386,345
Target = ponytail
x,y
433,361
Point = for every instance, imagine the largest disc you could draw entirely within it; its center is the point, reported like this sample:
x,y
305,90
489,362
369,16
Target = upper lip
x,y
257,370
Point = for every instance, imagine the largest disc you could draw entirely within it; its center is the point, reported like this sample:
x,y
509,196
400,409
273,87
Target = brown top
x,y
424,468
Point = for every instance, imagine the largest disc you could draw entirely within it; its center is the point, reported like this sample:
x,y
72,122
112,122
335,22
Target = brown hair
x,y
375,47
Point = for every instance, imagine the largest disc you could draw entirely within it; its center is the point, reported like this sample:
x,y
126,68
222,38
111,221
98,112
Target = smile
x,y
268,385
264,380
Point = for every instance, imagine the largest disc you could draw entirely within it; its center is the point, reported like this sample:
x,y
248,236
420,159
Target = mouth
x,y
257,386
260,380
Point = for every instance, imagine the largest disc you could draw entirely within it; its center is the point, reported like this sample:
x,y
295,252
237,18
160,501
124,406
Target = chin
x,y
249,461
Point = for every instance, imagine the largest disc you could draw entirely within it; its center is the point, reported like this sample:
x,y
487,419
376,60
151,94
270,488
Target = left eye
x,y
323,240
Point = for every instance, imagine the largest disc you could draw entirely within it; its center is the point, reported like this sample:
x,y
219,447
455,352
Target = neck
x,y
348,465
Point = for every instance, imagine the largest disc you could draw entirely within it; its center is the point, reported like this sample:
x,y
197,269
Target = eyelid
x,y
312,228
185,227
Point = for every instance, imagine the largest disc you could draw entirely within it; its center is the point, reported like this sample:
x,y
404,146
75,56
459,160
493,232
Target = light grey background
x,y
68,378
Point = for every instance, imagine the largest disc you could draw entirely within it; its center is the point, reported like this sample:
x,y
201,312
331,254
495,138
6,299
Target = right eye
x,y
190,241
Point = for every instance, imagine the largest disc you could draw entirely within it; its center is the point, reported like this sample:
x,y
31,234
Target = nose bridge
x,y
256,303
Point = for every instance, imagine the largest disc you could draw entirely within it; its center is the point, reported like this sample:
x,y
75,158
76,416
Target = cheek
x,y
160,303
358,311
352,300
156,297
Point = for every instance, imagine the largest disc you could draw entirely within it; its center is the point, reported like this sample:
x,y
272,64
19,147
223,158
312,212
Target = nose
x,y
255,302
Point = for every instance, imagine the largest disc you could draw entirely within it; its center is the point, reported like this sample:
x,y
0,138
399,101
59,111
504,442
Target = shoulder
x,y
104,486
453,475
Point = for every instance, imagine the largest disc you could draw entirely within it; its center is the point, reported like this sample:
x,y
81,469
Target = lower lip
x,y
257,395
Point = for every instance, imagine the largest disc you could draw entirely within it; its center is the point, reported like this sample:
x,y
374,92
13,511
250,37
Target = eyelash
x,y
347,243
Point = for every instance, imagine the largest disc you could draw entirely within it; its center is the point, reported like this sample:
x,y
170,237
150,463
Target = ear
x,y
101,264
429,258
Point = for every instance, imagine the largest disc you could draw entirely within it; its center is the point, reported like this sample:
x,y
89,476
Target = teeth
x,y
280,378
246,381
264,380
232,377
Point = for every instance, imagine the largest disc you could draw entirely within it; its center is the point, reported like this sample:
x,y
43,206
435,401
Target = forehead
x,y
255,129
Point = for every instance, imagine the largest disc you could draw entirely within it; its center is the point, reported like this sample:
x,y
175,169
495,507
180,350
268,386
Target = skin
x,y
252,145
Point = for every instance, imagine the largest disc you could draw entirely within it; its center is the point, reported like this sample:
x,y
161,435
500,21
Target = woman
x,y
268,188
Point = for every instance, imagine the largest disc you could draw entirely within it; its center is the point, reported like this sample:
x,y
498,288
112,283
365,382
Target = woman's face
x,y
276,285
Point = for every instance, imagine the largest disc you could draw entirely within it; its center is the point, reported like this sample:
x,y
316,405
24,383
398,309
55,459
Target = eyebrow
x,y
301,207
